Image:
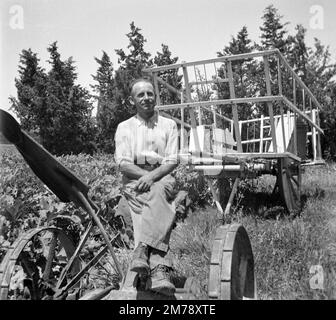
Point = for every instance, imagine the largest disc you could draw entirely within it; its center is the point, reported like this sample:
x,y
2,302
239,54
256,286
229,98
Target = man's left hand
x,y
144,183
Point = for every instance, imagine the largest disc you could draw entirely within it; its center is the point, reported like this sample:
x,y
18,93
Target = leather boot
x,y
139,262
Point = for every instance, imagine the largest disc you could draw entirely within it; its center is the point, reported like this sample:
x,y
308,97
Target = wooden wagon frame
x,y
224,151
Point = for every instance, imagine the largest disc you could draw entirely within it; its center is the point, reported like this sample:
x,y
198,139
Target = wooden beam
x,y
242,56
319,150
232,195
193,83
267,155
301,114
234,107
283,127
217,114
218,102
299,81
261,134
279,76
269,104
170,87
191,110
175,119
314,140
157,91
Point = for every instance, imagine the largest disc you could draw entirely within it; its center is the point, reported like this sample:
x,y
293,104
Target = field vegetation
x,y
285,248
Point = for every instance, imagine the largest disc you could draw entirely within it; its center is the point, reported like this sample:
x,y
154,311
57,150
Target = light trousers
x,y
153,214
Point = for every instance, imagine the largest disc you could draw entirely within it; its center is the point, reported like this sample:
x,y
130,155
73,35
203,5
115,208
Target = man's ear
x,y
130,100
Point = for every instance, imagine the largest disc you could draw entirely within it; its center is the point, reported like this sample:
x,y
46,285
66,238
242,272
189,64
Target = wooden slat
x,y
191,110
214,281
266,155
225,290
261,134
231,197
226,266
234,107
283,127
279,76
175,119
183,125
301,114
319,151
157,91
170,87
217,251
222,101
217,80
216,197
314,141
217,114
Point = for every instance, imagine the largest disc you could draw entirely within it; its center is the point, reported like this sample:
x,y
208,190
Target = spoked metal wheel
x,y
33,264
289,182
231,274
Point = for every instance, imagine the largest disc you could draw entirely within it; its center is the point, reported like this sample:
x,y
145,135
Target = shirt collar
x,y
151,121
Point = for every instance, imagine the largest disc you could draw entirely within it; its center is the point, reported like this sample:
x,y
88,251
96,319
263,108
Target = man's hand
x,y
144,183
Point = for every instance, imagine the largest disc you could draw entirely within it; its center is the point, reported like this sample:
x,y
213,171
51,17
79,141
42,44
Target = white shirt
x,y
146,143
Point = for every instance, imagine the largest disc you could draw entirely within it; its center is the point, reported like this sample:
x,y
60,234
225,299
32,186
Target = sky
x,y
193,29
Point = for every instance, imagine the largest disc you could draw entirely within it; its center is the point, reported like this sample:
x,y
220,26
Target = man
x,y
146,152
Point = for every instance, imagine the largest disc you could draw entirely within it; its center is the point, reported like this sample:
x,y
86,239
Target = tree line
x,y
54,108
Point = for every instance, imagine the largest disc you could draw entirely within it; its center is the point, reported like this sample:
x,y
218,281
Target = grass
x,y
285,248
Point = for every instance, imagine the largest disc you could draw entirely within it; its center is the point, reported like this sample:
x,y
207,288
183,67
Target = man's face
x,y
143,97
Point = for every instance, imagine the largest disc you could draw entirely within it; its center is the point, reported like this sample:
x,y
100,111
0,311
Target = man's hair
x,y
142,79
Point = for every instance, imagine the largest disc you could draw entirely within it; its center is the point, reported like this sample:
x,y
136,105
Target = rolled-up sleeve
x,y
123,150
170,156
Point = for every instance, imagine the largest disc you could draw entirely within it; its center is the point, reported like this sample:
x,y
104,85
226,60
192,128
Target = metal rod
x,y
215,196
102,230
232,194
90,264
75,254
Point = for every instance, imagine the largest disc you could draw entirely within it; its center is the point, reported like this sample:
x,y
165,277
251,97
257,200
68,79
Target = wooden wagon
x,y
213,140
275,131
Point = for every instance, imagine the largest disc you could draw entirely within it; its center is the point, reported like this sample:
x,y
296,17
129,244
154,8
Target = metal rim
x,y
289,181
231,274
39,255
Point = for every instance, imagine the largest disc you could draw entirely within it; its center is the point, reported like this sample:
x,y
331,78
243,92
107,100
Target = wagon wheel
x,y
32,265
289,183
231,274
